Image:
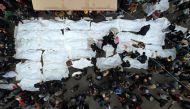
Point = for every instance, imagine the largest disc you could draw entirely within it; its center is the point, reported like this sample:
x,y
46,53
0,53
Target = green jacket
x,y
8,14
172,8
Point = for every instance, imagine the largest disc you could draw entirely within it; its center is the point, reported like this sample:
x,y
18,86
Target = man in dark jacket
x,y
126,64
123,55
144,30
172,27
142,58
183,6
95,48
111,39
3,24
134,55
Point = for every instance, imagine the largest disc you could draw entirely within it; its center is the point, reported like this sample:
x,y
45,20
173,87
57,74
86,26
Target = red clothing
x,y
120,98
21,102
137,106
176,97
156,14
22,2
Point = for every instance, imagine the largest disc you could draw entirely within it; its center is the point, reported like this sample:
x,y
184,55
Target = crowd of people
x,y
129,88
18,10
7,47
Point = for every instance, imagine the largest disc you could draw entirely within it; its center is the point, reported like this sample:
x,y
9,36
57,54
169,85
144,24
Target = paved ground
x,y
114,102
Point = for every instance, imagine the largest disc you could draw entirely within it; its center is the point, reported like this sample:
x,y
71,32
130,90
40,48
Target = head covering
x,y
115,31
2,7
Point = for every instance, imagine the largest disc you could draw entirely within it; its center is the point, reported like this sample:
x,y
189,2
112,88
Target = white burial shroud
x,y
46,49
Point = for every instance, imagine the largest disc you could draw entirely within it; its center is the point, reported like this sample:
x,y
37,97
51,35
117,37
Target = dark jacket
x,y
109,40
184,5
144,30
134,55
185,104
142,59
3,24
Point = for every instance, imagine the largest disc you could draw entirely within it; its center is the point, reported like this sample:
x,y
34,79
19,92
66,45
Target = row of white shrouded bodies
x,y
35,36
